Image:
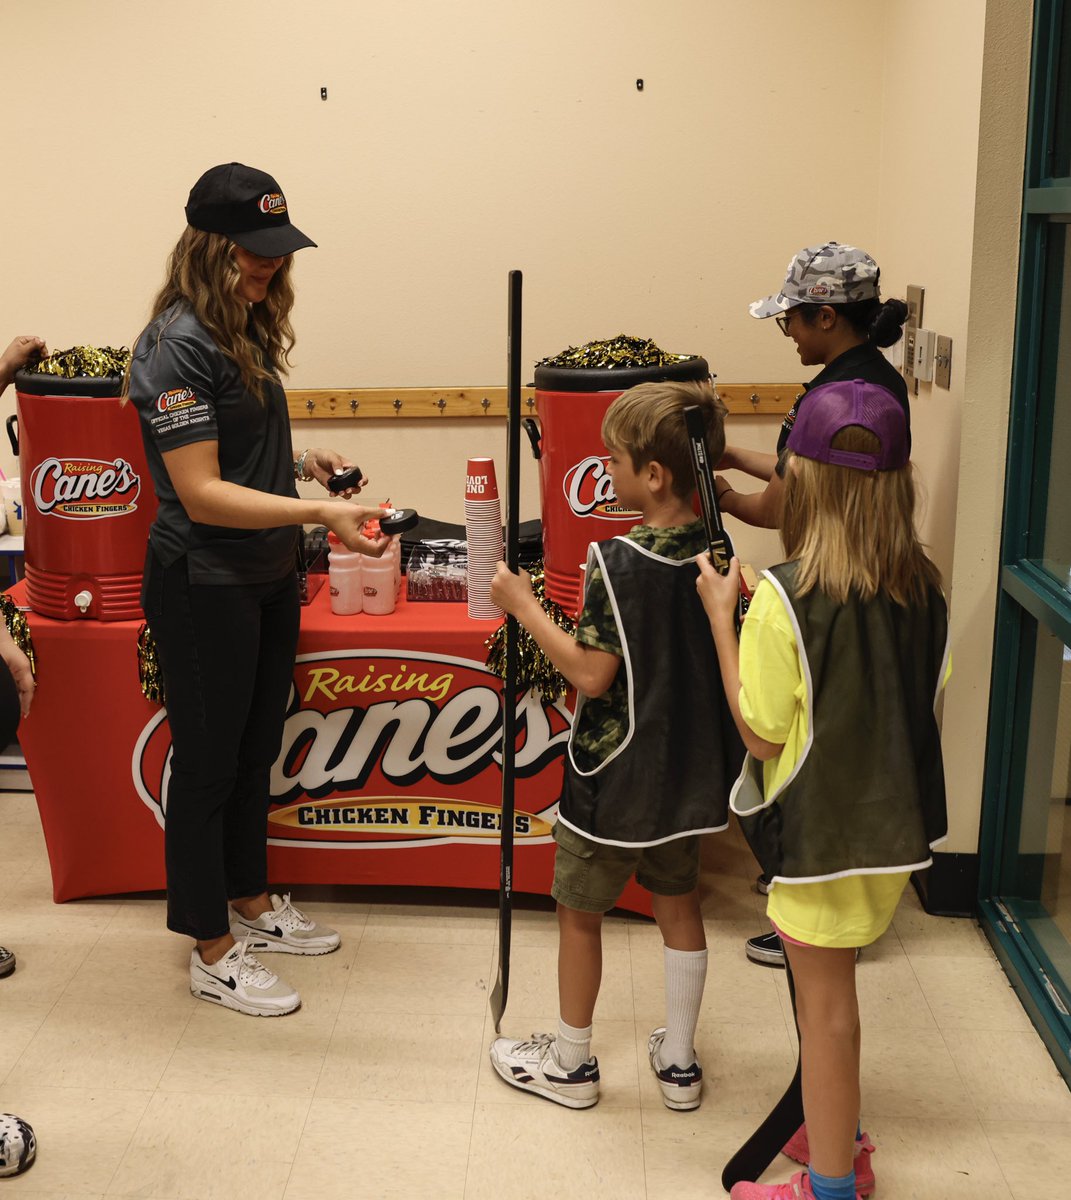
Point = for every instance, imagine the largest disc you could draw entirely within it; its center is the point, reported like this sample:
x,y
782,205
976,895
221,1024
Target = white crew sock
x,y
572,1047
686,975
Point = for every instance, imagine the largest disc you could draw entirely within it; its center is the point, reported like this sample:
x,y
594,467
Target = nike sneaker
x,y
285,929
240,982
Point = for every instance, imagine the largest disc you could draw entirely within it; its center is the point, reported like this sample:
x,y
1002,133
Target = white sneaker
x,y
533,1066
239,981
681,1086
285,929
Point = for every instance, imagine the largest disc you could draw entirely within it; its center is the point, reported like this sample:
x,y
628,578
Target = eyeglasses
x,y
782,322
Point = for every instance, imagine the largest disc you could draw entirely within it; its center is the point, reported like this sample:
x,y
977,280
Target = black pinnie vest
x,y
671,774
868,793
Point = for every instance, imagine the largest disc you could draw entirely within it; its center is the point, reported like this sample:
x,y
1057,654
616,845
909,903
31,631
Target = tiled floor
x,y
380,1085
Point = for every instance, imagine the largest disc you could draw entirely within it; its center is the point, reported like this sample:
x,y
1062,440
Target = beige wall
x,y
458,141
461,140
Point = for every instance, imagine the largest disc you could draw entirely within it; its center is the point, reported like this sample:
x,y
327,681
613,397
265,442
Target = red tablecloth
x,y
388,774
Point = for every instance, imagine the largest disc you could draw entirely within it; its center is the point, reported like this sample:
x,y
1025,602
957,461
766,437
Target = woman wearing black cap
x,y
220,589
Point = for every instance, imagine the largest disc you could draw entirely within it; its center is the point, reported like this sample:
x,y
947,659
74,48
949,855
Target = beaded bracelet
x,y
299,468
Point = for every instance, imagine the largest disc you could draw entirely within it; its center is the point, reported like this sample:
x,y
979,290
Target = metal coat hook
x,y
397,405
354,405
440,404
310,405
485,404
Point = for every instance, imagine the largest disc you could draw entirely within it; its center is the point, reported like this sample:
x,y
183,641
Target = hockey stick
x,y
500,992
786,1116
756,1154
721,546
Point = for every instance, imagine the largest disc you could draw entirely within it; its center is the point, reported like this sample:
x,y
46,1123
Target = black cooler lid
x,y
40,383
617,379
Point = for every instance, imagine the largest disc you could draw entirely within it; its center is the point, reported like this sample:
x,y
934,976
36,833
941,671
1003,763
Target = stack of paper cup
x,y
483,530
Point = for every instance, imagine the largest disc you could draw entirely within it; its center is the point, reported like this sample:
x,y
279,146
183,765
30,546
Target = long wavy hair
x,y
202,274
853,532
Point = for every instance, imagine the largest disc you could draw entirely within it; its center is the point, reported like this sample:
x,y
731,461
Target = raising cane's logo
x,y
180,397
590,491
84,488
273,203
388,750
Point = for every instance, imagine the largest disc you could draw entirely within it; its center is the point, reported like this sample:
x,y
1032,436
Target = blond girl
x,y
832,686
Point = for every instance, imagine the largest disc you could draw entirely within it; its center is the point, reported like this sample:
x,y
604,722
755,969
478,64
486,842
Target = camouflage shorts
x,y
590,876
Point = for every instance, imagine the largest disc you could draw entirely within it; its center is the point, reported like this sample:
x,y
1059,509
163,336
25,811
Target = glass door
x,y
1026,837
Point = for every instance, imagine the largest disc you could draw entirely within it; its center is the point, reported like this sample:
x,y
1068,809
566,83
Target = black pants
x,y
9,707
227,657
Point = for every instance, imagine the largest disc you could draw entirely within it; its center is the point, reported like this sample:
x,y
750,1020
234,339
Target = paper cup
x,y
11,492
480,481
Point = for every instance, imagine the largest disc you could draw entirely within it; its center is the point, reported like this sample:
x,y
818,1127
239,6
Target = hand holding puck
x,y
348,479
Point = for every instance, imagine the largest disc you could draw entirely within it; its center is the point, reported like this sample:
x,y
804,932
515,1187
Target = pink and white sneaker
x,y
797,1188
798,1149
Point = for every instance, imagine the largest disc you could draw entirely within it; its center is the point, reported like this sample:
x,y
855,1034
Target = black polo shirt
x,y
186,390
860,362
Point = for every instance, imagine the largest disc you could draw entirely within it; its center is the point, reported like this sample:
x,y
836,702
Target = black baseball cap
x,y
247,206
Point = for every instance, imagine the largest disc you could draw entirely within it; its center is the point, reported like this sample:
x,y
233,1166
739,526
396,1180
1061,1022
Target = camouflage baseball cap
x,y
828,274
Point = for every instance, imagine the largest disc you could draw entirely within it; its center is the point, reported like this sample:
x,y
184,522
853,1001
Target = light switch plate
x,y
924,344
916,295
942,363
909,352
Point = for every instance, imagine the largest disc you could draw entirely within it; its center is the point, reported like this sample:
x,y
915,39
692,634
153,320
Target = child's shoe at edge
x,y
681,1086
797,1188
533,1066
798,1149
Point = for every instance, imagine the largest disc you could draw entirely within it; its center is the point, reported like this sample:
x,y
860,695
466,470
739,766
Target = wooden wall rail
x,y
435,403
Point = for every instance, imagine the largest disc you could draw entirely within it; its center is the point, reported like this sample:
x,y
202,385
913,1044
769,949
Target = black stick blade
x,y
764,1145
721,547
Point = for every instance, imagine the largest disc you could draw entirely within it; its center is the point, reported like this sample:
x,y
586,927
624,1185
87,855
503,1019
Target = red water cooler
x,y
87,498
579,505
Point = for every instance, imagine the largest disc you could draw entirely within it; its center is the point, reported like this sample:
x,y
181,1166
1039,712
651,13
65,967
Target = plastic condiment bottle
x,y
395,549
377,584
345,570
396,554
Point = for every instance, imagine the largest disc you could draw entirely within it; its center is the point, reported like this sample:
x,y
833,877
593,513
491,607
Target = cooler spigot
x,y
83,600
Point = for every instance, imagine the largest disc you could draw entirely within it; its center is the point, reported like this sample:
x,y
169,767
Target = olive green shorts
x,y
590,876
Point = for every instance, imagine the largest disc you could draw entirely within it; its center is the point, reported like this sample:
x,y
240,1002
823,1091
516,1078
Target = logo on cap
x,y
818,289
273,203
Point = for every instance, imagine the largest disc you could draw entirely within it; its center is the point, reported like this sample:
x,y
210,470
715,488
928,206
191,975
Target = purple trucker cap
x,y
831,407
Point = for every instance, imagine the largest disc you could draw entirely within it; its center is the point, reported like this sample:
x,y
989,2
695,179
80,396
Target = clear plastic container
x,y
345,577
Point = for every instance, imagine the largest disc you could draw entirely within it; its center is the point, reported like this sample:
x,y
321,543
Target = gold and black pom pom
x,y
19,628
534,670
149,674
96,362
621,351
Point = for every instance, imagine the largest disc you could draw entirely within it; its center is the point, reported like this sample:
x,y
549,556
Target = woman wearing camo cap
x,y
829,305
